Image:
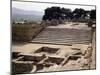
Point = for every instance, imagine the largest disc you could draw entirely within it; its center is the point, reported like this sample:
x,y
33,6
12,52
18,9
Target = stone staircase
x,y
63,36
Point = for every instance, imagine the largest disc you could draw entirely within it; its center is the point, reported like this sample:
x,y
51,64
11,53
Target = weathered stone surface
x,y
34,58
15,55
88,52
20,67
47,57
47,50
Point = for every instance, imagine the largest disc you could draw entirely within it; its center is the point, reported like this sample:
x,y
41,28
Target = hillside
x,y
19,14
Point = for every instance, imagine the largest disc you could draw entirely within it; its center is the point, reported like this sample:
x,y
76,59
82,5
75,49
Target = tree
x,y
52,13
79,13
93,14
57,13
67,13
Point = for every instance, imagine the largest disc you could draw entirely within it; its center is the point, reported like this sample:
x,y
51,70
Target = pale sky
x,y
42,6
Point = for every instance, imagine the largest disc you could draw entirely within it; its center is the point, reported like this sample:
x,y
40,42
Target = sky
x,y
42,6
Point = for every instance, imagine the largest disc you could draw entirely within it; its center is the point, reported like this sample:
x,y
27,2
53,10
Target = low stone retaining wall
x,y
19,67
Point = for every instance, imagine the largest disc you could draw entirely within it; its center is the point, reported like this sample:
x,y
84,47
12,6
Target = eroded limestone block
x,y
86,60
88,52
